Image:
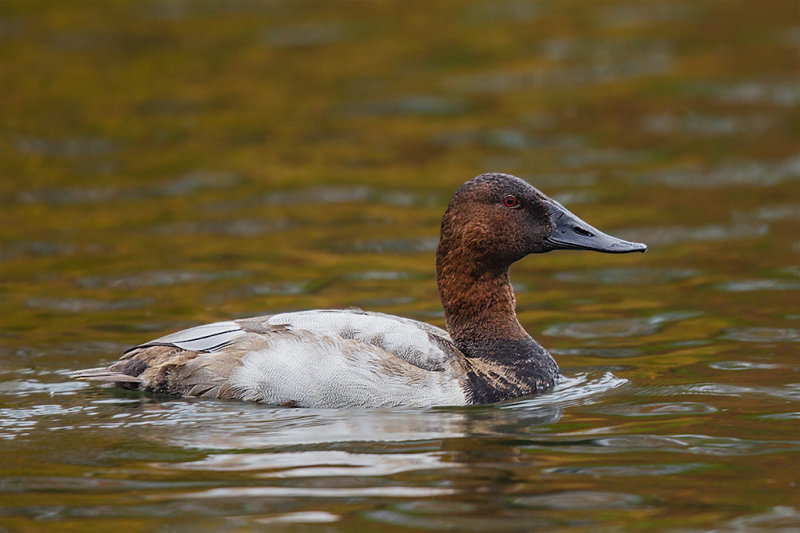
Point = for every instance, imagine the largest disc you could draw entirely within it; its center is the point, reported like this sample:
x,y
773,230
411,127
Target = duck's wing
x,y
417,343
205,338
312,358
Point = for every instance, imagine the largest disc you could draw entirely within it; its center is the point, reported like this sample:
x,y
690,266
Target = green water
x,y
166,164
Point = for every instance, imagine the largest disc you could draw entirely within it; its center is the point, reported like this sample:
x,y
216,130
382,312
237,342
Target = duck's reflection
x,y
295,454
297,430
350,449
226,427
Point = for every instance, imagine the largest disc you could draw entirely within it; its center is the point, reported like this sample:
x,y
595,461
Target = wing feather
x,y
205,338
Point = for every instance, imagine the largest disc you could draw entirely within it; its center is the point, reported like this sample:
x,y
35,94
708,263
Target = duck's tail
x,y
106,375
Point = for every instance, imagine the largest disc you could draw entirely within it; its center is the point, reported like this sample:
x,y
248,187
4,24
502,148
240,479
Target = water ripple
x,y
787,392
368,275
691,444
315,492
85,305
19,422
156,278
662,235
609,353
779,519
282,287
32,386
183,185
659,409
14,249
621,327
70,147
315,463
762,334
628,470
582,389
742,365
344,194
784,93
777,212
732,173
613,63
319,195
300,517
240,227
305,35
580,499
422,244
521,521
749,285
711,125
12,485
225,427
413,104
628,275
781,416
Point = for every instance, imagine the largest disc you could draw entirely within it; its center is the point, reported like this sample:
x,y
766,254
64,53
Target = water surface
x,y
166,164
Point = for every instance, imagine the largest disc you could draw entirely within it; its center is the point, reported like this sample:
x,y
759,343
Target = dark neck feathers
x,y
476,293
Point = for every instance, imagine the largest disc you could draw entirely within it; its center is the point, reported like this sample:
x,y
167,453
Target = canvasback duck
x,y
349,358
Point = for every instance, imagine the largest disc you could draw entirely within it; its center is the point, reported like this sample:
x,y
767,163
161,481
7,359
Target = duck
x,y
338,358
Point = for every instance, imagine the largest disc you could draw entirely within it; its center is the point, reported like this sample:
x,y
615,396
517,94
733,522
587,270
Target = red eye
x,y
510,201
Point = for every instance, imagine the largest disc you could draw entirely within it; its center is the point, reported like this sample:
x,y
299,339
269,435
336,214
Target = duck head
x,y
492,221
497,219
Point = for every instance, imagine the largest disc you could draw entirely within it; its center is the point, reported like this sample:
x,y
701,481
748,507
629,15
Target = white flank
x,y
318,371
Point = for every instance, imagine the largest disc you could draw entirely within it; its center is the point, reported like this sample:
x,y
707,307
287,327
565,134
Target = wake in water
x,y
583,388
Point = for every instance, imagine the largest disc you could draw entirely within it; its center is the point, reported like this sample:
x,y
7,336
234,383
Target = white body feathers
x,y
322,358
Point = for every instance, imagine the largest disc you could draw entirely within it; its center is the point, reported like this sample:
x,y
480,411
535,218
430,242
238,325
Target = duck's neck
x,y
502,360
478,300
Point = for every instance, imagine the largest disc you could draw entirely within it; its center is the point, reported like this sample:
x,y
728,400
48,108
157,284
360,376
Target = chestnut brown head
x,y
496,219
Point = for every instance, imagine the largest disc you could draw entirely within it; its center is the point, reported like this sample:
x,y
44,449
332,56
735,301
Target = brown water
x,y
166,164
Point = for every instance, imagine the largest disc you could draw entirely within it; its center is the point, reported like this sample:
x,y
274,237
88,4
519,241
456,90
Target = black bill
x,y
569,232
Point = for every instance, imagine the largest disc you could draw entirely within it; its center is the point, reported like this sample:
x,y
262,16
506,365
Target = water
x,y
166,164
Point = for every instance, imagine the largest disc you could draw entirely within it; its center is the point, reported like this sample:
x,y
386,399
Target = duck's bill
x,y
569,232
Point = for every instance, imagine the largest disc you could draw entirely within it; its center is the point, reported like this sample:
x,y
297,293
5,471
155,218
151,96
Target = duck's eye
x,y
510,201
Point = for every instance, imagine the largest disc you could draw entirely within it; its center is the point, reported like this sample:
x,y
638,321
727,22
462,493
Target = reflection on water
x,y
629,275
734,173
335,492
763,334
325,463
663,235
660,469
80,305
624,327
170,163
187,184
